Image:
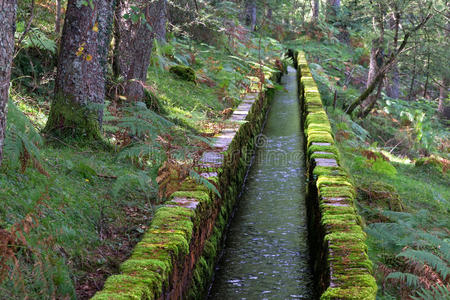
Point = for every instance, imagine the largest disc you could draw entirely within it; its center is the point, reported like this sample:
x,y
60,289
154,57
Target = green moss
x,y
126,287
324,180
184,72
352,293
337,191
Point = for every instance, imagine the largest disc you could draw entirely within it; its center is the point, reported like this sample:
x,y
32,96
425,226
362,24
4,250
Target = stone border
x,y
176,257
339,253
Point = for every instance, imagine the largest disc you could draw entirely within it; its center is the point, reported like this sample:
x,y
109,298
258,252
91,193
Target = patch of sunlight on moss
x,y
393,158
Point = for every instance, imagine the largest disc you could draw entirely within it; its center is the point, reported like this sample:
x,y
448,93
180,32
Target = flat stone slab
x,y
323,152
236,117
212,157
185,202
321,144
209,174
240,112
252,96
326,162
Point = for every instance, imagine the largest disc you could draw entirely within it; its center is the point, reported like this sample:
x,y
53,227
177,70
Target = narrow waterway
x,y
266,250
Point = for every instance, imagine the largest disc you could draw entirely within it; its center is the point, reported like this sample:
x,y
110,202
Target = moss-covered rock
x,y
183,72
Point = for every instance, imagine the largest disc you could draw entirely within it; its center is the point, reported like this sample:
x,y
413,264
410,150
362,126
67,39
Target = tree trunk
x,y
444,102
250,14
77,110
315,10
58,17
8,9
393,90
159,21
413,77
376,61
134,43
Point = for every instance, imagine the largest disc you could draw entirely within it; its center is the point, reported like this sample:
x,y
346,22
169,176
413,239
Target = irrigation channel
x,y
266,250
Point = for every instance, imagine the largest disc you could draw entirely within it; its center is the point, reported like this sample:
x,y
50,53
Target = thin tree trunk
x,y
80,81
8,10
393,90
250,14
425,89
376,61
134,43
444,103
315,10
58,17
413,77
365,112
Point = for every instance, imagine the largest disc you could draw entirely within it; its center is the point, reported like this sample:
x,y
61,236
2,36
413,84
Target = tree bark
x,y
444,102
134,43
58,17
77,108
393,90
8,10
376,62
315,10
250,14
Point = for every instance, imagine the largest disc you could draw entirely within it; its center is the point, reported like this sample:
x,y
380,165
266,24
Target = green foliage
x,y
21,138
199,179
142,122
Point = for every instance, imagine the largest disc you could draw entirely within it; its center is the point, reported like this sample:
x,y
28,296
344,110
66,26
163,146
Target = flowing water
x,y
266,250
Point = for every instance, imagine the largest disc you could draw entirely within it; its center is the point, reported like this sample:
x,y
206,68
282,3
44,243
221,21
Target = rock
x,y
184,72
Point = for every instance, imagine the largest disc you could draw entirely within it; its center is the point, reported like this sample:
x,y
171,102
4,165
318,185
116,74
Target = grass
x,y
75,212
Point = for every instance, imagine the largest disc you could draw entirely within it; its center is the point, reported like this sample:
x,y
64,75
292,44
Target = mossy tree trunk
x,y
8,9
135,32
77,108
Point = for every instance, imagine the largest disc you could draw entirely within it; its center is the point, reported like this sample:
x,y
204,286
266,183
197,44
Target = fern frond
x,y
425,257
435,292
411,280
199,179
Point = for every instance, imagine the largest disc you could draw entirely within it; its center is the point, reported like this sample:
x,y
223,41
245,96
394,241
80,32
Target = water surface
x,y
266,250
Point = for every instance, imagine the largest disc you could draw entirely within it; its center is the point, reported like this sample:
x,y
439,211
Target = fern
x,y
435,292
428,258
22,140
410,279
141,121
141,153
199,179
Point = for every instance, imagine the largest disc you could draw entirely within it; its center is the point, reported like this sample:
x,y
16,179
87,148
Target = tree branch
x,y
380,74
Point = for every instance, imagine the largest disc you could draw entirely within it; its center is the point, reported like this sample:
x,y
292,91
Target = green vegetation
x,y
398,159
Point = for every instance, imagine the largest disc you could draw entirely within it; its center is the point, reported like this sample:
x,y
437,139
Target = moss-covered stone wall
x,y
342,268
176,256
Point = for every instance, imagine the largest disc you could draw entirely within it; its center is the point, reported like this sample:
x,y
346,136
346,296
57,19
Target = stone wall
x,y
176,256
342,268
